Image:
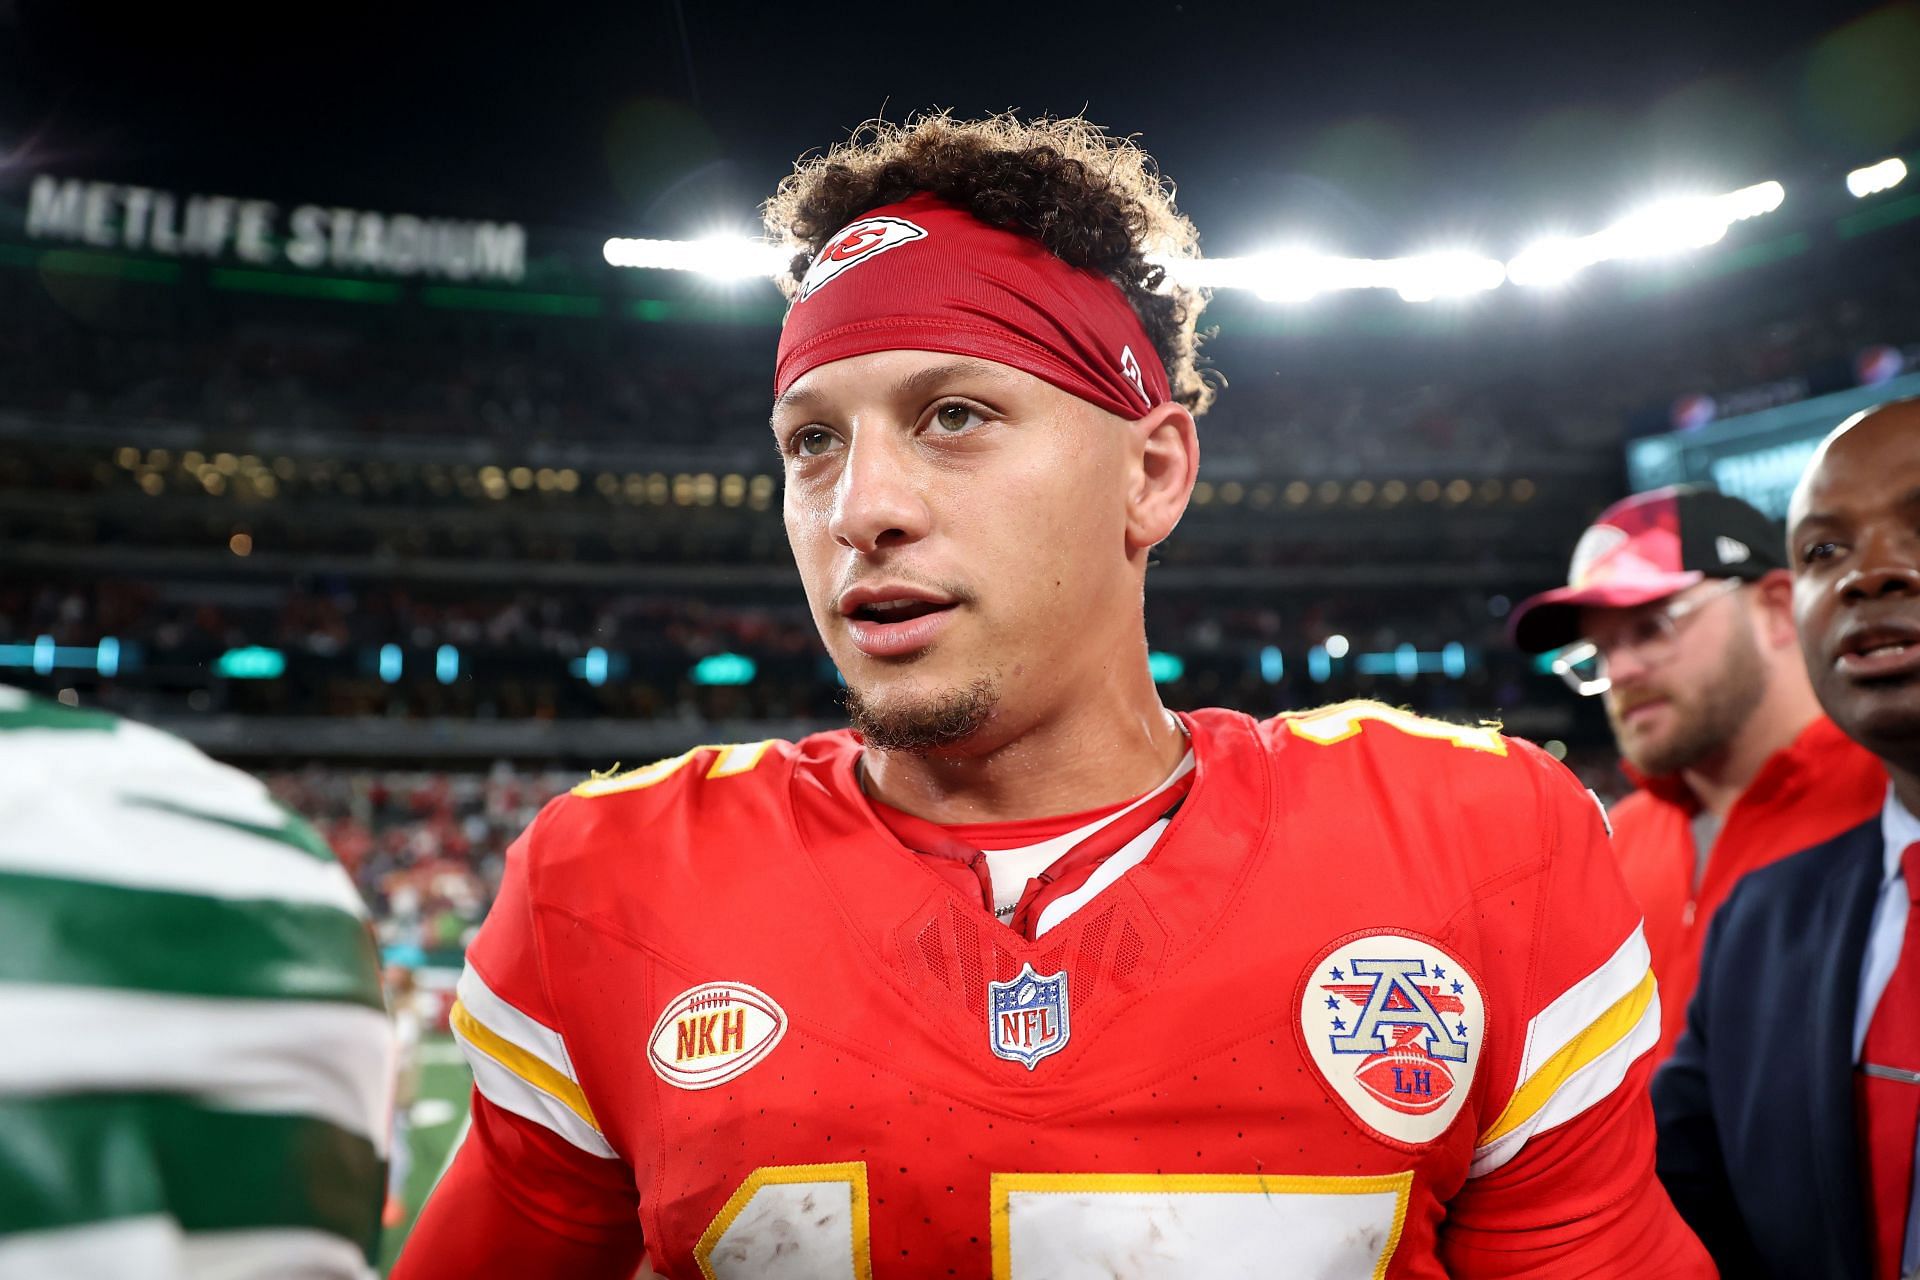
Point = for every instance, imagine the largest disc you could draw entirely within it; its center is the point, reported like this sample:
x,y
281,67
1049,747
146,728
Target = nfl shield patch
x,y
1027,1016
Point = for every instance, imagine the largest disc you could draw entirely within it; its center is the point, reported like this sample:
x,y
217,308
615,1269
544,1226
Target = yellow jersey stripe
x,y
1600,1035
521,1063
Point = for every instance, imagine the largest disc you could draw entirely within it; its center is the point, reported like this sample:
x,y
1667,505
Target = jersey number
x,y
809,1222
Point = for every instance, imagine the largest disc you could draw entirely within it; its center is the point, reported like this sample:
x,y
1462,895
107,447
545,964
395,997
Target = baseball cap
x,y
1647,547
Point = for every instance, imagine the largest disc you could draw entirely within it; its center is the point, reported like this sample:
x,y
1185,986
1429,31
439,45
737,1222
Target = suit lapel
x,y
1837,938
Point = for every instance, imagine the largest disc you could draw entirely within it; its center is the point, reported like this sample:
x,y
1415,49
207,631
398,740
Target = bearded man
x,y
1679,612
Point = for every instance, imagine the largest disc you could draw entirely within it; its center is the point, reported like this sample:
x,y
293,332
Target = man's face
x,y
1854,538
960,527
1674,703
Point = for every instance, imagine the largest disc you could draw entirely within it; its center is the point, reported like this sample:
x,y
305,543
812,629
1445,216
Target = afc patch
x,y
1027,1016
711,1033
856,243
1395,1025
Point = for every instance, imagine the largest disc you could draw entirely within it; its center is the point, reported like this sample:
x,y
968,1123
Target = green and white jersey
x,y
195,1061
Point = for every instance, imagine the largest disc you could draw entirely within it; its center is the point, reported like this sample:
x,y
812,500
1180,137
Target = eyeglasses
x,y
1654,636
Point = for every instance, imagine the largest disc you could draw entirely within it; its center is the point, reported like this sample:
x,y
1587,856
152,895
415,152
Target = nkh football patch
x,y
1395,1025
711,1033
856,243
1027,1016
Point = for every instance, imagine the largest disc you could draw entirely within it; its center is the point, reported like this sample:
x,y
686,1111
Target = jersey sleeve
x,y
536,1179
1562,1180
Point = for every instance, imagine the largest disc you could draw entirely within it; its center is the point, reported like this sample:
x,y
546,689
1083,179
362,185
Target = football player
x,y
198,1064
1026,976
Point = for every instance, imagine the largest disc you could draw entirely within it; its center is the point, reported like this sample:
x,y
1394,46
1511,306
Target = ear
x,y
1162,465
1773,601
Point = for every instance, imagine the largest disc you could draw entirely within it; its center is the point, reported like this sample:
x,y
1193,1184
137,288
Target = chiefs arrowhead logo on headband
x,y
970,289
858,243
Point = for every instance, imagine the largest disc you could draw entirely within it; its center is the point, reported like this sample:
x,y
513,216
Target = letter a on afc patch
x,y
1027,1016
1395,1026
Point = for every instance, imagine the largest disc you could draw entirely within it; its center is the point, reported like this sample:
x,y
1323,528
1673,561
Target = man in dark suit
x,y
1790,1111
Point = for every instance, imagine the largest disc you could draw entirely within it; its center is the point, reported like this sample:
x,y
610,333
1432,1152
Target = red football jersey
x,y
1376,1005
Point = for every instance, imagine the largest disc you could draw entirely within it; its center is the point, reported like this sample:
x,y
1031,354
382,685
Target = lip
x,y
1642,710
1878,651
875,592
898,639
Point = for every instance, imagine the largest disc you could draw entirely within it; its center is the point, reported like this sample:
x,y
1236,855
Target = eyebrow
x,y
917,383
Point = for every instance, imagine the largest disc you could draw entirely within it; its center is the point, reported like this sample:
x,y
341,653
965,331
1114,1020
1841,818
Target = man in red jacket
x,y
1679,613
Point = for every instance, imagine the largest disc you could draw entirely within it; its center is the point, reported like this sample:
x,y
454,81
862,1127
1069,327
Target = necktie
x,y
1889,1091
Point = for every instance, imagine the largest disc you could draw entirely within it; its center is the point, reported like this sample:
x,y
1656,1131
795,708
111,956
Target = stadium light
x,y
721,257
1273,664
724,669
252,662
1282,275
1296,274
45,656
1657,230
1884,176
1454,274
1165,668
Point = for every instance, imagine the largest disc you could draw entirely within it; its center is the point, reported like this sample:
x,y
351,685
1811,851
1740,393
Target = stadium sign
x,y
1758,456
312,237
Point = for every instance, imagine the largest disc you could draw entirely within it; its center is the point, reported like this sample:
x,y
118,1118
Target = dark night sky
x,y
1372,128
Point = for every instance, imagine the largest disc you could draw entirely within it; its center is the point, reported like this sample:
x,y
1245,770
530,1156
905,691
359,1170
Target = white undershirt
x,y
1013,868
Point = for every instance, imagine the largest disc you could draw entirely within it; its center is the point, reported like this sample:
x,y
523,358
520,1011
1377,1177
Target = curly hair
x,y
1094,200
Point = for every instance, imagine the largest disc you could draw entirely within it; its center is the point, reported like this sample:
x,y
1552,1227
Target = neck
x,y
1103,752
1906,782
1784,712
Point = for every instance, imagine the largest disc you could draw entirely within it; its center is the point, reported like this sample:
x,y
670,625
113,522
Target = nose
x,y
1888,564
877,501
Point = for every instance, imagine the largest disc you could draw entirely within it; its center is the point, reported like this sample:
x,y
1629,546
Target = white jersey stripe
x,y
1590,1085
152,1247
1123,860
511,1025
290,1057
132,806
1575,1009
511,1092
108,840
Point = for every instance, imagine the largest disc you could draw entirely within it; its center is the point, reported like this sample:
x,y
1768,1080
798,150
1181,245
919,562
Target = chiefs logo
x,y
1395,1026
1130,370
857,243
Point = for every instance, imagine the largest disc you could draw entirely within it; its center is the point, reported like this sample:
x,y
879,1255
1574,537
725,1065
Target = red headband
x,y
924,275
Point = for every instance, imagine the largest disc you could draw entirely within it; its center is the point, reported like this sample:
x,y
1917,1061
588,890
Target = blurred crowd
x,y
425,848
